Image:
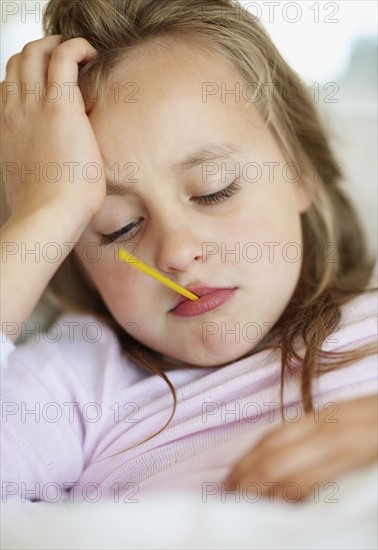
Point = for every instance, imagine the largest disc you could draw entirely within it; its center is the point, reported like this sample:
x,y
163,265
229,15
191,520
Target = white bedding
x,y
178,520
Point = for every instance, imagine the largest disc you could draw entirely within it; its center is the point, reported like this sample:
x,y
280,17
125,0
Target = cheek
x,y
119,286
267,239
268,217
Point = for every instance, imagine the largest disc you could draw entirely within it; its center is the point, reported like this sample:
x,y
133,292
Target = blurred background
x,y
332,45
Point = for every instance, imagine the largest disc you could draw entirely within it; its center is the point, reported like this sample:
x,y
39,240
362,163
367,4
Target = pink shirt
x,y
71,399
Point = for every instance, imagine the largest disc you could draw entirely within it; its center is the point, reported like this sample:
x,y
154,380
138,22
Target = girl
x,y
181,145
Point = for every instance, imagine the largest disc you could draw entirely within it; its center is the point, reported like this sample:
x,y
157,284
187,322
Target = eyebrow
x,y
119,189
206,153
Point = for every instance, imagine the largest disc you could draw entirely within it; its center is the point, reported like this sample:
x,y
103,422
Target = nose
x,y
178,247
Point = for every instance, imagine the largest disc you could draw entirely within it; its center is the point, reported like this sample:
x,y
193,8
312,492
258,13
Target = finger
x,y
290,461
290,431
287,434
65,59
28,66
272,458
311,482
10,87
295,488
284,435
35,59
12,70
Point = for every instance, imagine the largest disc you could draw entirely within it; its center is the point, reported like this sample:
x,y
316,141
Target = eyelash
x,y
220,196
213,198
109,239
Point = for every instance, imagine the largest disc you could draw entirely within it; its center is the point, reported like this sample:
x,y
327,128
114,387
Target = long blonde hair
x,y
116,28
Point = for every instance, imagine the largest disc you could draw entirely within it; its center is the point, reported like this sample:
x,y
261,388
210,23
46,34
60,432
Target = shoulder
x,y
70,335
356,329
76,353
358,322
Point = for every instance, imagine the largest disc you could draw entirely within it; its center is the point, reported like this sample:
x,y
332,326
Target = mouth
x,y
209,299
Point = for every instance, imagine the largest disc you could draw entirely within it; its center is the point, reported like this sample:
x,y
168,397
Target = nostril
x,y
177,254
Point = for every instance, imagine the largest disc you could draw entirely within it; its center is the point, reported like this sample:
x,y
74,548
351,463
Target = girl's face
x,y
174,130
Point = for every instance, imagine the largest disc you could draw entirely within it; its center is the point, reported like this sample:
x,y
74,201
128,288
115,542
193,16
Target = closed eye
x,y
129,230
219,196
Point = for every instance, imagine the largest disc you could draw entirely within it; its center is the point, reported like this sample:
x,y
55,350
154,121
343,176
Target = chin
x,y
221,356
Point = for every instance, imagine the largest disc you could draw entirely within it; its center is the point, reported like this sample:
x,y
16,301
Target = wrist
x,y
57,213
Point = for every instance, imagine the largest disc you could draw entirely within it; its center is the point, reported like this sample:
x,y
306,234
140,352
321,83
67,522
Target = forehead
x,y
167,95
163,59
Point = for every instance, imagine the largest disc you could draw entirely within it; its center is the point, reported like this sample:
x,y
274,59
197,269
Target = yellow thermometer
x,y
148,270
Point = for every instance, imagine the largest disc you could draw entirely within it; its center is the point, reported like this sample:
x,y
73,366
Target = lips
x,y
209,298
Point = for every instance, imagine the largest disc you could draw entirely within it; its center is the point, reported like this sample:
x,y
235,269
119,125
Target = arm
x,y
24,276
36,133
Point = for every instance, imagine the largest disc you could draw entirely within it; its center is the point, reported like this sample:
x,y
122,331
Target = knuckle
x,y
12,61
72,44
75,40
58,53
29,49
